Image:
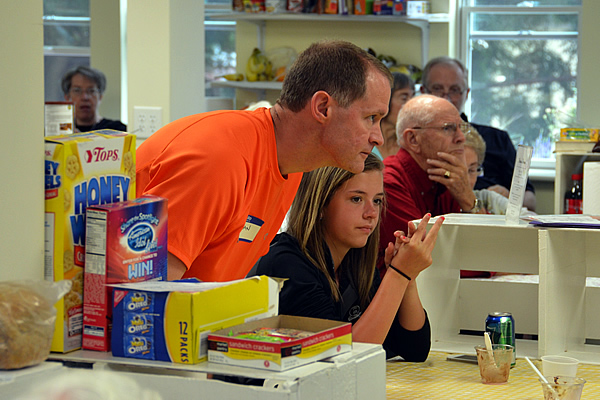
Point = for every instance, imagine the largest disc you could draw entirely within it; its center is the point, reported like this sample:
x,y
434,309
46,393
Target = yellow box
x,y
82,169
579,134
323,338
170,321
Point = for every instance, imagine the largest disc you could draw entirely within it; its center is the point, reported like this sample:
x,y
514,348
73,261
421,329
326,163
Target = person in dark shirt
x,y
447,77
85,86
328,255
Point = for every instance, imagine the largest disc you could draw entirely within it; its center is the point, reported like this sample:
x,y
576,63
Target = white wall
x,y
21,133
589,79
105,34
165,57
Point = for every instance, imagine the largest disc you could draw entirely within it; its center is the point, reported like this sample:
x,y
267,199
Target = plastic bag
x,y
80,384
27,317
281,59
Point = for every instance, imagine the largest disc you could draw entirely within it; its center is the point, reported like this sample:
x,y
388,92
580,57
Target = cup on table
x,y
566,387
559,366
494,370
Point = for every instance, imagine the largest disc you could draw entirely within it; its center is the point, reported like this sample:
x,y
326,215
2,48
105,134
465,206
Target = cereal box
x,y
171,320
124,242
81,169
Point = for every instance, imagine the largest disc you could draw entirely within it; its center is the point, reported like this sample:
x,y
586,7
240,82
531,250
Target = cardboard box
x,y
383,7
399,7
170,321
579,134
81,170
59,118
329,338
125,242
417,9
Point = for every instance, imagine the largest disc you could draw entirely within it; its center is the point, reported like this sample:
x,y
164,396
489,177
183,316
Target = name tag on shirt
x,y
250,229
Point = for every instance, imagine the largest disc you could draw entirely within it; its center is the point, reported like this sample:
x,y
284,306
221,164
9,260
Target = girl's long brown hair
x,y
305,224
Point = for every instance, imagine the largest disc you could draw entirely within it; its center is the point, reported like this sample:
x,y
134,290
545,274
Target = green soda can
x,y
501,327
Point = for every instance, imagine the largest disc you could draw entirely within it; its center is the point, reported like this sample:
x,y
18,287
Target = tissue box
x,y
125,242
329,338
80,170
170,321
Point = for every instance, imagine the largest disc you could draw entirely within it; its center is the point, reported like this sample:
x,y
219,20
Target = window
x,y
522,58
220,55
66,42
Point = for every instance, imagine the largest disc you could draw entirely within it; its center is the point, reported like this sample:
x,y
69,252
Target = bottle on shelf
x,y
574,196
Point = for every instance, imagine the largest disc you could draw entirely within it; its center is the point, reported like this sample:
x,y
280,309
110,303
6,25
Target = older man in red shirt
x,y
428,174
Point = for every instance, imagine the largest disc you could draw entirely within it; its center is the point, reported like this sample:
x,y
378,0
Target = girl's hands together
x,y
411,254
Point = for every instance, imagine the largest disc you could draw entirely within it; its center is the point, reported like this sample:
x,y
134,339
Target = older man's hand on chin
x,y
452,172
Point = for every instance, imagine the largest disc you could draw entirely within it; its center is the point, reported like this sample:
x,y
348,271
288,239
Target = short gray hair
x,y
91,73
444,60
419,111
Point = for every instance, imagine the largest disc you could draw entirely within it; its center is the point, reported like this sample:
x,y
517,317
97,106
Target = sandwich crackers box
x,y
124,242
82,169
290,342
171,320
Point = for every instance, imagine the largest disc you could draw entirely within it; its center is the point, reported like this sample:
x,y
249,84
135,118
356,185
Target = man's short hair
x,y
444,61
336,67
91,73
412,114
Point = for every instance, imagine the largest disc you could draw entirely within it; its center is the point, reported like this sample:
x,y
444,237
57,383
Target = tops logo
x,y
100,154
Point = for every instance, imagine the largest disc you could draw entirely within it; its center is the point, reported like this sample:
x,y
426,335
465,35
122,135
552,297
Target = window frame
x,y
216,25
541,169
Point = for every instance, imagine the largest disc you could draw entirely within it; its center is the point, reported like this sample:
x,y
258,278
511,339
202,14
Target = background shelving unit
x,y
566,165
559,307
261,19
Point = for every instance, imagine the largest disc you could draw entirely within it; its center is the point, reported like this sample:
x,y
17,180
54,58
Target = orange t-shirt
x,y
226,196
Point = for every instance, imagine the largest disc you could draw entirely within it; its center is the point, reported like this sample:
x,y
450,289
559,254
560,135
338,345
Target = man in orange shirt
x,y
230,176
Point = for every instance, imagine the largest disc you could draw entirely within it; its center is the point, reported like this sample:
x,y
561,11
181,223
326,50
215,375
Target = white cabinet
x,y
261,19
566,165
359,374
560,308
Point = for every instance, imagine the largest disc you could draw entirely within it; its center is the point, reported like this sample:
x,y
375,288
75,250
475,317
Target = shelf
x,y
310,17
560,308
259,87
260,20
568,163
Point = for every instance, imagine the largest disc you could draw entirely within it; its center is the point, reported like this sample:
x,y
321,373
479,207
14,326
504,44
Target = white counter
x,y
359,374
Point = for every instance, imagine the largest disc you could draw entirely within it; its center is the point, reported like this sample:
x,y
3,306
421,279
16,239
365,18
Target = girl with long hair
x,y
329,252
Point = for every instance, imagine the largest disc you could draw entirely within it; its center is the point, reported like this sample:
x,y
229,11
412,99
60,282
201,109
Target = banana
x,y
234,77
258,67
251,76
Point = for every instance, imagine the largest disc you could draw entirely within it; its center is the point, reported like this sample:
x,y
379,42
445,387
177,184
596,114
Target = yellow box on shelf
x,y
579,134
170,321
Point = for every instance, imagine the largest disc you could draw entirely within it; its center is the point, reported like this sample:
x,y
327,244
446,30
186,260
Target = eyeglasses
x,y
449,129
439,91
476,171
79,91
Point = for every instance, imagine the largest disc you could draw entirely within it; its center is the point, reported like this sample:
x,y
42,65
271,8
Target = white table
x,y
359,374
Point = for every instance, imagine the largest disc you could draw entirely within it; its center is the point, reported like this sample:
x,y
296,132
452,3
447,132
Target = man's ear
x,y
320,106
411,140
